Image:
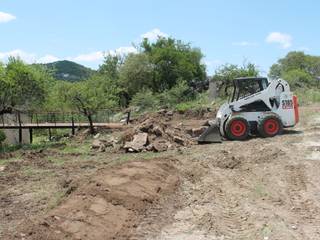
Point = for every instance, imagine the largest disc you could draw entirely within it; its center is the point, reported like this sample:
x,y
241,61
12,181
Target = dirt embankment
x,y
111,205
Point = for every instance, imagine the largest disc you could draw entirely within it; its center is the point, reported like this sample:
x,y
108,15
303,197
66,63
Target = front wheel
x,y
237,128
270,126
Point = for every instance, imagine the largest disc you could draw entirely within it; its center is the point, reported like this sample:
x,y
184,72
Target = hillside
x,y
69,71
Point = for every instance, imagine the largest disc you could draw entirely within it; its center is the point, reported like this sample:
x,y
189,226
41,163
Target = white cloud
x,y
244,44
25,56
154,34
48,59
89,57
6,17
99,55
123,51
285,40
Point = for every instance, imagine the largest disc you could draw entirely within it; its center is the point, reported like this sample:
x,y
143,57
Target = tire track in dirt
x,y
259,189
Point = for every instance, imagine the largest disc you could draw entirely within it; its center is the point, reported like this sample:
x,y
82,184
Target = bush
x,y
308,96
145,100
176,95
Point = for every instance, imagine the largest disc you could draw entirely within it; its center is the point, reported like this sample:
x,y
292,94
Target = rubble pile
x,y
155,134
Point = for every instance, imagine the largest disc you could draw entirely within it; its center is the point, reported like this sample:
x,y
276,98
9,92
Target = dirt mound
x,y
155,133
110,205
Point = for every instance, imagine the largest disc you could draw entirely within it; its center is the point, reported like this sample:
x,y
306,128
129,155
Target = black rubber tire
x,y
261,126
232,136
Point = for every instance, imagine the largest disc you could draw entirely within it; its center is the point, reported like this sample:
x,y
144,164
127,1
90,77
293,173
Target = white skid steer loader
x,y
256,106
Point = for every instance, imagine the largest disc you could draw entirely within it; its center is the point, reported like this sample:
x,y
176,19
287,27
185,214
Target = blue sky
x,y
230,31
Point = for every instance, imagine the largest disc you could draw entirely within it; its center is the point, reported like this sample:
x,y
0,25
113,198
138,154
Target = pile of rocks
x,y
156,135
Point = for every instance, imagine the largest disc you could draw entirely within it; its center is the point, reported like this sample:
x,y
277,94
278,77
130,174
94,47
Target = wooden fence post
x,y
73,128
20,128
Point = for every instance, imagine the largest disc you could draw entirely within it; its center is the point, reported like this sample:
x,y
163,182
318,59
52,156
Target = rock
x,y
196,132
206,123
160,146
97,136
162,111
157,130
2,168
146,126
178,140
138,143
170,114
102,148
96,144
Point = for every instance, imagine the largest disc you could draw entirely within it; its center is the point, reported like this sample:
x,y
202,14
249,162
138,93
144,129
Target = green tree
x,y
298,68
172,61
88,97
137,73
225,75
22,86
160,65
111,65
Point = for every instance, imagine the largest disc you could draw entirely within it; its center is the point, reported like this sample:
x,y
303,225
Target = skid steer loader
x,y
256,107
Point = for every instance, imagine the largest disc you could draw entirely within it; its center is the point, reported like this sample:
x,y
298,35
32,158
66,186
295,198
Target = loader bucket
x,y
211,135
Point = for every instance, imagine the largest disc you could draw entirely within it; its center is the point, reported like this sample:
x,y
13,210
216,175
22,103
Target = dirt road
x,y
258,189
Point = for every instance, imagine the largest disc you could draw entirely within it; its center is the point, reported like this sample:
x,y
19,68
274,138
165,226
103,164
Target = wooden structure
x,y
57,120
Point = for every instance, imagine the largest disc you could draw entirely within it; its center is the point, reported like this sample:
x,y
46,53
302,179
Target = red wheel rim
x,y
238,128
271,126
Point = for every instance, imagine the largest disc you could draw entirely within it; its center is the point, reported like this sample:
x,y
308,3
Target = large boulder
x,y
138,143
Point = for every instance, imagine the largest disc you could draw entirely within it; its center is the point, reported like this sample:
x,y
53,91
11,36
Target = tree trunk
x,y
91,124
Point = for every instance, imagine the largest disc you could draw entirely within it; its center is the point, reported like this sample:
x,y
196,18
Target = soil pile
x,y
110,206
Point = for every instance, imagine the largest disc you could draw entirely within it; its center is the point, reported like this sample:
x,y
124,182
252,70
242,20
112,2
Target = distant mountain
x,y
69,71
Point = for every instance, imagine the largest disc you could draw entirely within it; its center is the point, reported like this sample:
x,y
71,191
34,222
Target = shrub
x,y
145,100
177,94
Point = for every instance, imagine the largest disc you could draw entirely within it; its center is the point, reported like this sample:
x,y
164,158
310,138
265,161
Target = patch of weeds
x,y
83,148
3,162
260,191
29,171
266,231
56,160
56,199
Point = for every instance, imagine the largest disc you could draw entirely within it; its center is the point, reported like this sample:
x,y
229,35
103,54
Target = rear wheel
x,y
237,128
270,126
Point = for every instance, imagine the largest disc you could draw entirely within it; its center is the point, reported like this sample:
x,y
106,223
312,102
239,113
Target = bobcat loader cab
x,y
256,106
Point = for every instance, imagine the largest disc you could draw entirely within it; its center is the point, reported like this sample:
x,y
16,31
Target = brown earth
x,y
258,189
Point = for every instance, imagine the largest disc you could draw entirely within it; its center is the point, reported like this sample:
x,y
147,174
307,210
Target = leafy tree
x,y
160,65
298,68
137,73
298,78
88,97
111,65
173,60
22,86
225,75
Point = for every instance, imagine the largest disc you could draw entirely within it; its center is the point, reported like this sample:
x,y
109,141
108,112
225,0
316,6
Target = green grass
x,y
58,161
82,149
